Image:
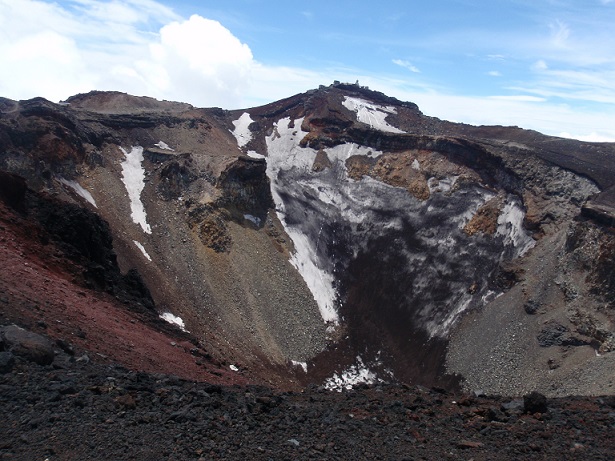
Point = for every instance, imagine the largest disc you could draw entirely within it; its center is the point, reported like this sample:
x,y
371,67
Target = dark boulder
x,y
27,345
535,402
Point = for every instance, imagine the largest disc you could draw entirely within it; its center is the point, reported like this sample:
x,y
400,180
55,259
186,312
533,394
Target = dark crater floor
x,y
78,410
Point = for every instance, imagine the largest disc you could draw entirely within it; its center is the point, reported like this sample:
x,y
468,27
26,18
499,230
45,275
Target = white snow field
x,y
371,114
242,131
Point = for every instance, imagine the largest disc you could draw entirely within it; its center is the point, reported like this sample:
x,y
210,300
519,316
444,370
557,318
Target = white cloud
x,y
494,73
124,11
406,65
560,32
572,84
198,53
591,137
137,46
522,98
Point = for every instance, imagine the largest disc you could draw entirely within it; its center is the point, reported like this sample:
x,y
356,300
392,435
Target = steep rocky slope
x,y
334,237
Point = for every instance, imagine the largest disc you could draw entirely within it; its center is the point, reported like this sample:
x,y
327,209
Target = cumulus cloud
x,y
199,55
137,46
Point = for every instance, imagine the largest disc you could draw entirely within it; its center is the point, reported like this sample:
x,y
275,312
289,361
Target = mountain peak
x,y
115,102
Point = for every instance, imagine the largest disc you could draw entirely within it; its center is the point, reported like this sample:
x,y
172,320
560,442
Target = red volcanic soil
x,y
40,290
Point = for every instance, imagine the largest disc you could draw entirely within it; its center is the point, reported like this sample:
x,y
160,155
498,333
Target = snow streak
x,y
133,176
79,190
142,248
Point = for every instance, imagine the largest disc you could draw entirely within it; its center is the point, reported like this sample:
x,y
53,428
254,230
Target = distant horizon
x,y
544,65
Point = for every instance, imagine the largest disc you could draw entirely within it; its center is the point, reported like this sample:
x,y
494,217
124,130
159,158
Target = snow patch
x,y
343,152
254,154
133,176
300,364
510,226
463,219
79,190
490,296
441,328
233,368
356,374
284,152
371,114
174,320
164,146
142,248
416,165
242,131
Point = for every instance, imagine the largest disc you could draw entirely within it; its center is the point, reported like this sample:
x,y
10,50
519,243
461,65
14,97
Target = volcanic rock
x,y
27,345
535,402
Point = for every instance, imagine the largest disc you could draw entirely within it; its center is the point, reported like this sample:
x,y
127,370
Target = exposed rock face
x,y
339,229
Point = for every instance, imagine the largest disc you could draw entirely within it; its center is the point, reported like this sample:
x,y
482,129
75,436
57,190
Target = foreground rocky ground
x,y
75,409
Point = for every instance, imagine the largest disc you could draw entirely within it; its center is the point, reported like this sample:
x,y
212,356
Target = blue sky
x,y
547,65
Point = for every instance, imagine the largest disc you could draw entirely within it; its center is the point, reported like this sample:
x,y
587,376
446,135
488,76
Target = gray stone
x,y
27,345
513,405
